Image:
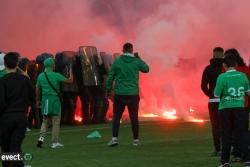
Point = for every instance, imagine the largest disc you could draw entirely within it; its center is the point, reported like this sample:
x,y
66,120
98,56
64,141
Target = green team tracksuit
x,y
231,87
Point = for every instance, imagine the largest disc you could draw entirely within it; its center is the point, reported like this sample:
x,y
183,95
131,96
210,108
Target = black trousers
x,y
233,121
120,102
215,123
236,150
13,126
34,115
84,97
69,107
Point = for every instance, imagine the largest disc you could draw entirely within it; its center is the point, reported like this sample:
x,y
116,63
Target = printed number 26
x,y
234,92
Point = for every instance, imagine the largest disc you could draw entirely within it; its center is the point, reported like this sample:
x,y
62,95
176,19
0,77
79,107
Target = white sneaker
x,y
136,142
59,144
113,142
247,164
225,165
40,142
28,129
56,145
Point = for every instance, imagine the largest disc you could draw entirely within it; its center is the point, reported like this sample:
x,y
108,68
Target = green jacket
x,y
125,72
3,73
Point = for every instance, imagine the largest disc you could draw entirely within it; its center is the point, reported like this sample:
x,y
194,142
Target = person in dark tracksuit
x,y
14,101
209,77
125,73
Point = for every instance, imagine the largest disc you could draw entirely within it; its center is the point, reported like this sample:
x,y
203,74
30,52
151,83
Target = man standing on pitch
x,y
48,88
125,72
209,77
16,94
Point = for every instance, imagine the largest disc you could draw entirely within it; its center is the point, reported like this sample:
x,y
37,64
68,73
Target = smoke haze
x,y
175,37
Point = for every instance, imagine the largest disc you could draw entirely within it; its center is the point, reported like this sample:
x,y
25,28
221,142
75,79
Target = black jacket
x,y
210,75
16,93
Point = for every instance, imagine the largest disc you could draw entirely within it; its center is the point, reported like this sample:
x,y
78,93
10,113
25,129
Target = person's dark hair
x,y
127,47
218,49
42,57
11,59
239,60
230,60
23,63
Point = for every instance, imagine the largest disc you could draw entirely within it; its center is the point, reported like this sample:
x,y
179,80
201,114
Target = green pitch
x,y
164,144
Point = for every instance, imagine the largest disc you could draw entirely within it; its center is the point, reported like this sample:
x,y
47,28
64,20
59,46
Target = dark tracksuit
x,y
16,94
125,72
209,77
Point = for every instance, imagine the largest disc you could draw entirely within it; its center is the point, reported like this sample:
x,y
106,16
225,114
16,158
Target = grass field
x,y
164,144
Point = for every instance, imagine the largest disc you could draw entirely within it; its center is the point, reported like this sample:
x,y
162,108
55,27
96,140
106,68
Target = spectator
x,y
231,87
125,73
48,86
209,77
14,102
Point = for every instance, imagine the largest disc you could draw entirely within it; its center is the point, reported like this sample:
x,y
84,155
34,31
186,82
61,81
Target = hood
x,y
216,62
127,57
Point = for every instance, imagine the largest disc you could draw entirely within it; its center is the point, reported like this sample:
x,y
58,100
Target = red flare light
x,y
195,120
150,115
171,114
78,113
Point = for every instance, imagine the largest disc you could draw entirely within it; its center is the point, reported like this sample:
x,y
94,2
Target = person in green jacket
x,y
231,87
125,73
50,102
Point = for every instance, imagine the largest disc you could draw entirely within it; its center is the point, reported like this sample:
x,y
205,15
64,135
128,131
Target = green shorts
x,y
51,105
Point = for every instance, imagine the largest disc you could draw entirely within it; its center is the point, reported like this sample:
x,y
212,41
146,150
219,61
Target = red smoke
x,y
175,37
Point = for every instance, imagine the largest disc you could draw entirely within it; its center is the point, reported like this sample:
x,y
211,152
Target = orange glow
x,y
196,120
150,115
78,113
78,118
170,114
